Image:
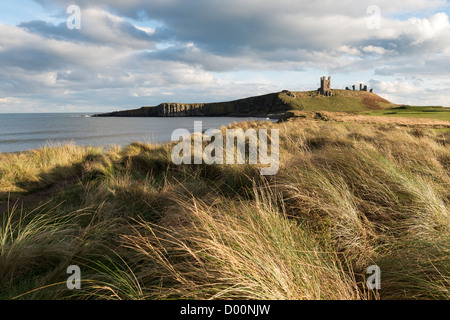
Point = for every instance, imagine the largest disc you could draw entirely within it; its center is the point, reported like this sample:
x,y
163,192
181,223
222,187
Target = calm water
x,y
20,132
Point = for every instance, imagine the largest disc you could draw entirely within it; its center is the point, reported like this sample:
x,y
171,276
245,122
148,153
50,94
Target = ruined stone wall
x,y
361,88
325,86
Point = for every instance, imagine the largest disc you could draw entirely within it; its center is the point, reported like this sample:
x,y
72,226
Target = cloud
x,y
412,89
147,49
99,27
374,49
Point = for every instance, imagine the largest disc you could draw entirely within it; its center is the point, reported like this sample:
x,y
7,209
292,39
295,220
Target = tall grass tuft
x,y
237,250
32,246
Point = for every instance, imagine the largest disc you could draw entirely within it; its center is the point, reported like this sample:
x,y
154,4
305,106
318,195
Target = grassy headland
x,y
269,105
347,196
275,105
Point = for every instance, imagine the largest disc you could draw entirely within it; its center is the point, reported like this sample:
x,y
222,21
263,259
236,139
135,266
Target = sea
x,y
21,132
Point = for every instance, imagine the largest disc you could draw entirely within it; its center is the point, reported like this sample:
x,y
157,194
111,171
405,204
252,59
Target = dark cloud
x,y
49,30
97,27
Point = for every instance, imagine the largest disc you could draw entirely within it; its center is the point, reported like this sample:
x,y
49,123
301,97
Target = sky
x,y
128,54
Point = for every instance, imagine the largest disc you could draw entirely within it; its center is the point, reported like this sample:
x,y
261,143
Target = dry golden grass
x,y
29,171
237,250
404,121
347,196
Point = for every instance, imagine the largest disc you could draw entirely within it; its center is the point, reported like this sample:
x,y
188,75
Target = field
x,y
348,195
439,113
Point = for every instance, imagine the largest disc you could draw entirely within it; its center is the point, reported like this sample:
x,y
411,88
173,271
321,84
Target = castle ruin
x,y
325,86
361,88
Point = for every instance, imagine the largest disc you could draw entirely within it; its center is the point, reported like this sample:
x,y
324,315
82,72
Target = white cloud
x,y
395,87
349,50
135,49
374,49
428,28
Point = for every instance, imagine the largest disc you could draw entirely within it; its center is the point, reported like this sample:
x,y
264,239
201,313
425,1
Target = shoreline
x,y
38,132
299,117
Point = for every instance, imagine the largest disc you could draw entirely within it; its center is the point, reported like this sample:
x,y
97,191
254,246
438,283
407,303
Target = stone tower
x,y
325,86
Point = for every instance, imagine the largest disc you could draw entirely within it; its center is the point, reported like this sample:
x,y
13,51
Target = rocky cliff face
x,y
269,105
254,106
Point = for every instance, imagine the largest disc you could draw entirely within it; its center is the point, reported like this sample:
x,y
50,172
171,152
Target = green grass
x,y
347,196
439,113
341,101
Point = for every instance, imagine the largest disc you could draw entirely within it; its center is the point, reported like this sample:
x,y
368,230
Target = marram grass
x,y
347,196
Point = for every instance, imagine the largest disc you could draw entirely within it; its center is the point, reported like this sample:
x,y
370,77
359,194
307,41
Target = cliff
x,y
269,105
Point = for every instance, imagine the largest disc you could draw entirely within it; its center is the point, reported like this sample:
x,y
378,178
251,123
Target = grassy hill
x,y
360,102
341,101
272,104
275,105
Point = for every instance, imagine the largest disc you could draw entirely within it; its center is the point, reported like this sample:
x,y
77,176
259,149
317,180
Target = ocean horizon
x,y
28,131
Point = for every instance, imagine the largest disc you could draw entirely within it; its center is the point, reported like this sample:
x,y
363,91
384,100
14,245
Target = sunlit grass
x,y
347,196
439,113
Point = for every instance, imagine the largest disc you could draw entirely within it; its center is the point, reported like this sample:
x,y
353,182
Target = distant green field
x,y
440,113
